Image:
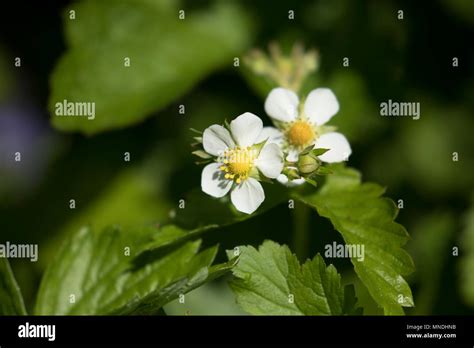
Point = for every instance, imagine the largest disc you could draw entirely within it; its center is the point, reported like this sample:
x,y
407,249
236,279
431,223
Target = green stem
x,y
301,215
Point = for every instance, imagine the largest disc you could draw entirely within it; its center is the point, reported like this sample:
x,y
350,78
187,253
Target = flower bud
x,y
307,164
291,173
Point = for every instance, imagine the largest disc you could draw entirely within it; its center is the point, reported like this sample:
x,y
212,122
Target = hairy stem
x,y
301,215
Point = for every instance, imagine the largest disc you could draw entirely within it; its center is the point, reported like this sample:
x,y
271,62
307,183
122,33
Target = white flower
x,y
300,127
239,161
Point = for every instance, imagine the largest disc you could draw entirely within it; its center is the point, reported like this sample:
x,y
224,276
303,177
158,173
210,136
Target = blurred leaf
x,y
427,146
209,299
11,301
358,212
6,77
430,248
167,57
464,9
143,184
467,261
271,281
94,269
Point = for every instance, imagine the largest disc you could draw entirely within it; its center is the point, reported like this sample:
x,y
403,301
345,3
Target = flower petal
x,y
339,148
282,104
246,128
293,155
283,179
213,182
216,139
247,196
321,105
270,161
272,135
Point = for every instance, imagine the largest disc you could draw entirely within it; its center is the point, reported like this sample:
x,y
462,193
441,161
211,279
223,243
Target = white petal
x,y
283,179
339,148
216,139
292,155
272,135
213,182
270,161
247,196
282,104
246,128
321,105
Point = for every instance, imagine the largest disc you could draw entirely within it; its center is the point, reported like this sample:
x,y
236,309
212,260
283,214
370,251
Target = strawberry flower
x,y
241,158
302,125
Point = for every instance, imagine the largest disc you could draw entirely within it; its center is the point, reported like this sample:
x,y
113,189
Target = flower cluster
x,y
244,153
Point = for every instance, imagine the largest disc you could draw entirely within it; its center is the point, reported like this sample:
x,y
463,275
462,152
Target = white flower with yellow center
x,y
240,160
300,126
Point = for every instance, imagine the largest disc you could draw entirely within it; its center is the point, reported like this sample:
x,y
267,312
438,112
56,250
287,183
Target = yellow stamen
x,y
237,163
301,133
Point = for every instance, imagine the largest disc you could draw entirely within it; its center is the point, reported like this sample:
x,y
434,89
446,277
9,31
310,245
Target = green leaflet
x,y
168,56
11,301
93,274
271,281
467,261
362,216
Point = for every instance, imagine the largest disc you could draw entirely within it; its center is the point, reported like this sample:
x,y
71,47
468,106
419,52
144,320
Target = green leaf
x,y
11,301
271,281
307,150
94,274
467,261
363,217
319,151
168,56
312,182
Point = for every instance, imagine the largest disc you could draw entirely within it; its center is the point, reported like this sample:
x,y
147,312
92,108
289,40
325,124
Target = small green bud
x,y
308,163
291,173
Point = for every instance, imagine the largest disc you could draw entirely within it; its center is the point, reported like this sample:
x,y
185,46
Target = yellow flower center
x,y
301,133
237,163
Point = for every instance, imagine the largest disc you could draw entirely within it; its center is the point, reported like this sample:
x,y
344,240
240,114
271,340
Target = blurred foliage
x,y
6,77
467,261
424,152
404,60
166,60
431,246
11,301
138,184
463,9
209,299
